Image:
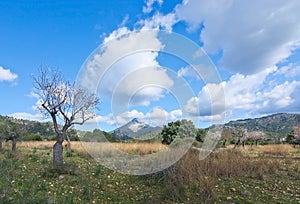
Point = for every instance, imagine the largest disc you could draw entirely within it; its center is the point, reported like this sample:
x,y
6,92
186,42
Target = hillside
x,y
280,123
34,130
276,126
44,131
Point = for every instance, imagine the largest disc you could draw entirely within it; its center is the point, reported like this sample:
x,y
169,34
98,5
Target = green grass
x,y
224,177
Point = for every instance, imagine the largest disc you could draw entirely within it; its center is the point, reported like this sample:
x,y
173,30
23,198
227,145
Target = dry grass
x,y
276,149
189,172
98,147
265,150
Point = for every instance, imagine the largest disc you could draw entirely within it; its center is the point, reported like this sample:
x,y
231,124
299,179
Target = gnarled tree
x,y
66,104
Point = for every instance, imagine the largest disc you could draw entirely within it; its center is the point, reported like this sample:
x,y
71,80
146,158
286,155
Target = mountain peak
x,y
133,129
135,120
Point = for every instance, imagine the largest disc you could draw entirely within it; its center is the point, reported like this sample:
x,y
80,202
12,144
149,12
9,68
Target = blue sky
x,y
254,48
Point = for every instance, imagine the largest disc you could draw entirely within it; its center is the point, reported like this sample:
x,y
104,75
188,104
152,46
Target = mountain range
x,y
276,126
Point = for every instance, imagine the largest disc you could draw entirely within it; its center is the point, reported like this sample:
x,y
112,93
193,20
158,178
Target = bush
x,y
169,132
180,129
33,137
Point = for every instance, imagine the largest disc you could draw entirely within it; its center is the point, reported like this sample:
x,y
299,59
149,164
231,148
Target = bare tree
x,y
242,136
226,134
14,131
65,104
255,136
294,136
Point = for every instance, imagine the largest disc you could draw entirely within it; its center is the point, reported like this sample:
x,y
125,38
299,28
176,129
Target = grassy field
x,y
263,174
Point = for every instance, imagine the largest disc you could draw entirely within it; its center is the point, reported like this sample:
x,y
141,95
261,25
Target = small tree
x,y
169,132
182,129
201,134
294,136
13,131
242,136
226,135
63,102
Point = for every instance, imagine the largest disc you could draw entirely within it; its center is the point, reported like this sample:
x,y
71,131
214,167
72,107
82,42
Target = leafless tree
x,y
225,135
294,135
65,104
242,135
255,136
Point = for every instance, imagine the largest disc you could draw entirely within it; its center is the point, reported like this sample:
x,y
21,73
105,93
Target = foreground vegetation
x,y
265,174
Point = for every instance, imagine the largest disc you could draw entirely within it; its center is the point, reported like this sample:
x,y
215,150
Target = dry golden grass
x,y
98,147
270,149
189,172
276,149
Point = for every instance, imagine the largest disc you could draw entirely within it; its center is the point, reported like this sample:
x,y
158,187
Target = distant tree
x,y
187,129
14,131
294,136
242,136
201,134
181,129
255,136
63,102
169,132
225,135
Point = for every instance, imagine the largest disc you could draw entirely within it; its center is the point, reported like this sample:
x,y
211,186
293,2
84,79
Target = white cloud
x,y
250,93
198,72
252,35
160,117
289,71
107,119
283,97
7,75
156,117
126,65
159,21
28,116
149,5
124,118
141,86
187,71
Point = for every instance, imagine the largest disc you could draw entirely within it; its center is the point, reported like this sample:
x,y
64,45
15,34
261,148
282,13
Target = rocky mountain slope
x,y
133,129
280,123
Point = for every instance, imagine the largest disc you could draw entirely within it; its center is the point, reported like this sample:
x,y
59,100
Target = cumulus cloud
x,y
283,97
250,93
107,119
159,117
156,117
7,75
125,67
290,70
252,35
141,86
149,5
28,116
159,21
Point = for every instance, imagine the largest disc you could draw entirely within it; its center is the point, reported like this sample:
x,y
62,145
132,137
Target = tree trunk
x,y
14,143
237,143
68,143
224,143
58,152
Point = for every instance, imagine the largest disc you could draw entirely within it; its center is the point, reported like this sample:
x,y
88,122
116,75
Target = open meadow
x,y
263,174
